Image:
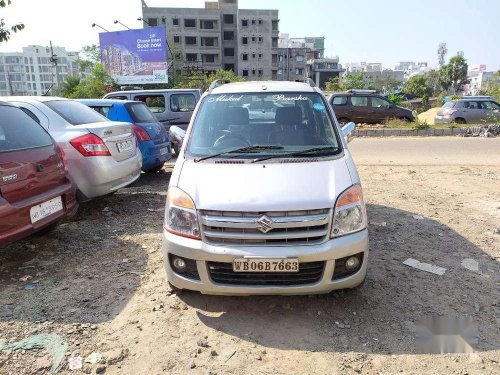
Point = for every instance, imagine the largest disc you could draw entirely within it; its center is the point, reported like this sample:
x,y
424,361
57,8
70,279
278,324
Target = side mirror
x,y
348,131
177,133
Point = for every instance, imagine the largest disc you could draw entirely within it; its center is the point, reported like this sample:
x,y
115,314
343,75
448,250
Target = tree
x,y
354,81
493,86
384,84
93,86
442,51
432,78
454,74
90,56
333,84
418,86
5,31
69,85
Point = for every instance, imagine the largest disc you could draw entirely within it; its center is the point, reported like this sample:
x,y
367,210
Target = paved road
x,y
426,151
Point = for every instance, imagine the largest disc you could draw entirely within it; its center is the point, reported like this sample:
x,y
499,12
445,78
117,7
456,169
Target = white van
x,y
265,197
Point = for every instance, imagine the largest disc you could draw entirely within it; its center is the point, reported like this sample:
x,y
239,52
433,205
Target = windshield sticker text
x,y
225,98
282,97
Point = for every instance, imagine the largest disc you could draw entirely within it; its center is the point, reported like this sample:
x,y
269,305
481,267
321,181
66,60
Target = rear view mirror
x,y
348,131
177,133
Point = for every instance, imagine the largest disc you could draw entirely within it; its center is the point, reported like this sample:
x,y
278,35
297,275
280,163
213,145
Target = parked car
x,y
35,189
468,111
153,139
366,106
265,201
102,155
171,106
176,136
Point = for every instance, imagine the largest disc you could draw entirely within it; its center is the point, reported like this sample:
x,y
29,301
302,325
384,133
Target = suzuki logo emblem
x,y
265,224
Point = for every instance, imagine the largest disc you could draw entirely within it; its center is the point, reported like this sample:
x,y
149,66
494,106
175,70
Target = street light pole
x,y
125,26
96,25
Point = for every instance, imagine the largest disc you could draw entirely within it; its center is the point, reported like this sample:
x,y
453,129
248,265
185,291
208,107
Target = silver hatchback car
x,y
102,155
469,111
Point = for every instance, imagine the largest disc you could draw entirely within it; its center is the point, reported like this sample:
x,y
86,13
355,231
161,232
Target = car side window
x,y
380,103
359,101
182,102
117,97
339,100
156,103
103,110
491,106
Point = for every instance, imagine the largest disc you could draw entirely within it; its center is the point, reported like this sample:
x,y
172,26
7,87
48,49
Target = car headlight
x,y
350,213
415,114
180,214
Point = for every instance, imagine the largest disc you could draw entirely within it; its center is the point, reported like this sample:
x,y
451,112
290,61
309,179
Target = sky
x,y
385,31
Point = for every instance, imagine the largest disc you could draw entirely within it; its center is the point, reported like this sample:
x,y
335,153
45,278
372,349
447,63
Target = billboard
x,y
135,56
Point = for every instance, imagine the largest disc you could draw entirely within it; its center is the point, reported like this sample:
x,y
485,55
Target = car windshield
x,y
448,105
243,125
74,112
140,113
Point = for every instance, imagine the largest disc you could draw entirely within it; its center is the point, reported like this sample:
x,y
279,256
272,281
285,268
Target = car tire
x,y
155,169
176,149
460,120
343,120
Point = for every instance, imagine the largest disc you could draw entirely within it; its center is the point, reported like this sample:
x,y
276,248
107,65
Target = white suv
x,y
265,197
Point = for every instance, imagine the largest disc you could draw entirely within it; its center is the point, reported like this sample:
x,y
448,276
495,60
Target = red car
x,y
35,190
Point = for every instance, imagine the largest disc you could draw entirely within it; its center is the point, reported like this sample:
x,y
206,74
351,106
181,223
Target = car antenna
x,y
47,92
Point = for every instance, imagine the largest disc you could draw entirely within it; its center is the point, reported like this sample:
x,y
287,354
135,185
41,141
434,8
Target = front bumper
x,y
328,252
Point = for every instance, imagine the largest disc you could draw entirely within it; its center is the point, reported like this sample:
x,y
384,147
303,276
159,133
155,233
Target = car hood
x,y
264,187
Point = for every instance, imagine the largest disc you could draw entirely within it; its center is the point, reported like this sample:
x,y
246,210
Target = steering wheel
x,y
231,140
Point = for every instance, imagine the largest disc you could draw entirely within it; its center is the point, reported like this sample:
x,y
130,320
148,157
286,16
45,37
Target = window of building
x,y
280,71
299,58
245,56
208,24
275,25
260,22
182,102
177,39
253,22
260,39
299,71
175,21
245,73
280,58
274,43
244,23
253,39
190,40
228,35
189,23
260,72
153,21
244,40
253,55
208,41
229,67
253,71
228,51
359,101
191,57
260,56
209,58
229,19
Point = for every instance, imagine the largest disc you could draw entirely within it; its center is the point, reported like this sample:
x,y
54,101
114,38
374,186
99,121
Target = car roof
x,y
34,99
106,101
7,104
258,86
155,91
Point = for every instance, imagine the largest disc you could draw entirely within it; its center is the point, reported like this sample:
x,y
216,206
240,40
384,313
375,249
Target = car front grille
x,y
283,228
309,273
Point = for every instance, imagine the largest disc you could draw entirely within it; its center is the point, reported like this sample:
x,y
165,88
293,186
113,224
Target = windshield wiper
x,y
246,149
298,153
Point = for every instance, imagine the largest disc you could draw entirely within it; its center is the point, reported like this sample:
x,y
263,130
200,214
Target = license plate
x,y
125,146
265,265
45,209
164,151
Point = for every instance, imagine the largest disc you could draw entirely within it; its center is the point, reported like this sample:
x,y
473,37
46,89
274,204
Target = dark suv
x,y
366,106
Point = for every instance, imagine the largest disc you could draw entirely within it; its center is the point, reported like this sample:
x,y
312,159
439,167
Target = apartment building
x,y
221,36
31,72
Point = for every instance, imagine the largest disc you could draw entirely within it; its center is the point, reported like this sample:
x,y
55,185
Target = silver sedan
x,y
102,155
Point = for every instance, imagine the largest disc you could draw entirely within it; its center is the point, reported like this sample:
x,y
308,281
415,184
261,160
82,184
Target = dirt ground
x,y
97,285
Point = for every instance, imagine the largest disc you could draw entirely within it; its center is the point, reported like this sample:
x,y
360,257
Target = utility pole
x,y
53,59
9,83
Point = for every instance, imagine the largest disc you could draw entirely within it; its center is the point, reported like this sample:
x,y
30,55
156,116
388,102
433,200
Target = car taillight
x,y
449,112
90,145
141,134
62,156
